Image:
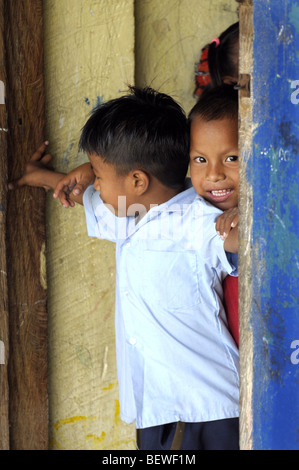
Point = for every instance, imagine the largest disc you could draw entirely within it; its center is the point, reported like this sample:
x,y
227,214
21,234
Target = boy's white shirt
x,y
176,359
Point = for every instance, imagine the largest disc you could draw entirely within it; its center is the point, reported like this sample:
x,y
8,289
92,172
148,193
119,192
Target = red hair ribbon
x,y
202,76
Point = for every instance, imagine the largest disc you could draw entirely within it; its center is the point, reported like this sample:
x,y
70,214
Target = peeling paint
x,y
2,92
274,176
294,16
43,266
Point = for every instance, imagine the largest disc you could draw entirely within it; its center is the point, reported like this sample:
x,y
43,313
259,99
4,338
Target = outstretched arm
x,y
69,188
38,172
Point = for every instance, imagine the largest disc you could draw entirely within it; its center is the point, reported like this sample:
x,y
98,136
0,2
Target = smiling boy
x,y
214,167
214,147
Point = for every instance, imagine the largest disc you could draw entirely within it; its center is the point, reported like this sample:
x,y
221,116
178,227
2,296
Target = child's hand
x,y
37,170
71,187
226,221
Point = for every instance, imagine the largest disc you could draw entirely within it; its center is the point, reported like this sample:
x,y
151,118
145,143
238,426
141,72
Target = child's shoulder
x,y
90,197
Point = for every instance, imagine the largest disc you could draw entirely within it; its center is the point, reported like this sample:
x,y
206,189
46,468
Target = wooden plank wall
x,y
4,329
22,40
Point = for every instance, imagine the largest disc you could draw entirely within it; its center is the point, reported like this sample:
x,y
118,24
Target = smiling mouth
x,y
220,195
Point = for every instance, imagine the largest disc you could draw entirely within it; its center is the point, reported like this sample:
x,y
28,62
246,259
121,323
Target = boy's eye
x,y
232,158
200,159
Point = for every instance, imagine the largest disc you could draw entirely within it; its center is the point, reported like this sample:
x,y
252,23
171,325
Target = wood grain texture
x,y
4,327
27,368
245,234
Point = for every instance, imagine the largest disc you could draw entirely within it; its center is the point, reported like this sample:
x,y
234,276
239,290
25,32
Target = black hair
x,y
216,103
223,59
144,129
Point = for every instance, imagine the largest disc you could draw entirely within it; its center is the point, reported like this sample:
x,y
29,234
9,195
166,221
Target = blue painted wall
x,y
273,173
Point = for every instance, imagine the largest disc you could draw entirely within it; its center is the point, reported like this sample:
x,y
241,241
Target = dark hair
x,y
143,129
223,59
216,103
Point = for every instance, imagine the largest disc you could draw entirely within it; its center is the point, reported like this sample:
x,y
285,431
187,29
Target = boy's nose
x,y
215,173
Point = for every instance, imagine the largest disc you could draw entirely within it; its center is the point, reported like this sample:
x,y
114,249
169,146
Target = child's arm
x,y
71,187
227,228
231,243
37,171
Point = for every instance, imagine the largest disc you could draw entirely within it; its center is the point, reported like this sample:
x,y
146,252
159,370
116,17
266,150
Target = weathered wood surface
x,y
269,339
245,232
4,328
27,366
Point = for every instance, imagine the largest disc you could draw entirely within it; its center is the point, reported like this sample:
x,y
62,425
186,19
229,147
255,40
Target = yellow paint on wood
x,y
110,386
74,419
87,436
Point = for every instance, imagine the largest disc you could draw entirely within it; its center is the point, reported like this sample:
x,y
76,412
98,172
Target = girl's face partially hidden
x,y
214,163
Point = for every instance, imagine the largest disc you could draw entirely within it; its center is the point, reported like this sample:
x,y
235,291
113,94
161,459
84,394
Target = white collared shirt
x,y
176,359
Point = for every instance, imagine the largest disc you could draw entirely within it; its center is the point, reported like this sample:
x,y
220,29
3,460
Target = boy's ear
x,y
139,181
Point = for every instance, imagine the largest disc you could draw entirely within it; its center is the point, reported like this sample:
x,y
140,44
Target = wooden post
x,y
25,228
245,230
269,336
4,329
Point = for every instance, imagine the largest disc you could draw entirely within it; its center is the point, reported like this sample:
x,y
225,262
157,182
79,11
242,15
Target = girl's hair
x,y
143,129
223,57
216,103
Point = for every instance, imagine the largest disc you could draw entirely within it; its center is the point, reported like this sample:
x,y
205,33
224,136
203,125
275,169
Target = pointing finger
x,y
16,183
38,154
46,158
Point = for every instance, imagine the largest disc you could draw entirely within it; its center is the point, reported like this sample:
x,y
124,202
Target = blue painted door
x,y
273,174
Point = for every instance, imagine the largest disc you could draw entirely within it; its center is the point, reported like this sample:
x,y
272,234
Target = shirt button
x,y
132,341
126,292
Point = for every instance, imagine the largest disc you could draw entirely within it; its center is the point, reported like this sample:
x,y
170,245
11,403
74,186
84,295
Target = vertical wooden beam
x,y
4,328
27,370
270,326
245,231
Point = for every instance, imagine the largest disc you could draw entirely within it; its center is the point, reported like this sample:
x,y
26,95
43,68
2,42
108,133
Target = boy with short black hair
x,y
214,167
177,362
